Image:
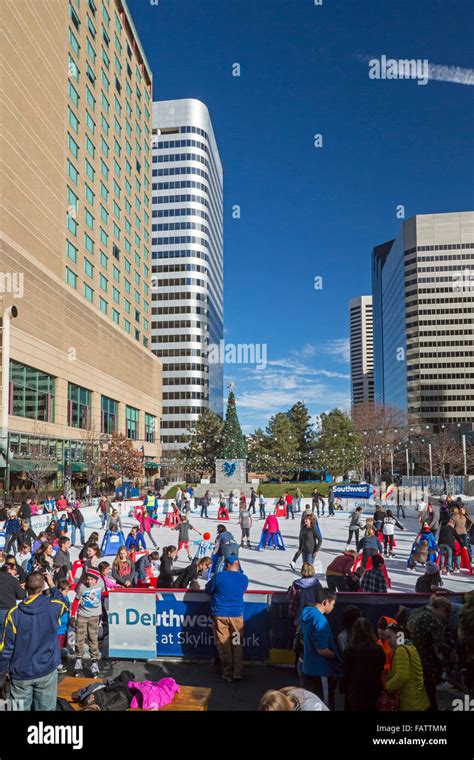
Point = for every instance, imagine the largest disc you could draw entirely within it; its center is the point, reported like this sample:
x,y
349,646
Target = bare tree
x,y
382,434
122,457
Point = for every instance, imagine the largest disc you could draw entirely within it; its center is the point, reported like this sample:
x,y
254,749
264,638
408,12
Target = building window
x,y
103,282
116,316
126,325
88,268
150,428
88,293
32,393
71,278
103,305
131,421
79,406
109,414
71,251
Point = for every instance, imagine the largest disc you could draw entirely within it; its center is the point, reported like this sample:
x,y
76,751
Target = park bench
x,y
189,698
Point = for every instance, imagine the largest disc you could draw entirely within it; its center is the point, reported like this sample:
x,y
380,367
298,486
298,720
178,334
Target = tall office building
x,y
187,280
423,302
76,232
362,350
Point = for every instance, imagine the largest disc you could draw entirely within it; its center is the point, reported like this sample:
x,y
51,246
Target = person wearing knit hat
x,y
89,597
431,580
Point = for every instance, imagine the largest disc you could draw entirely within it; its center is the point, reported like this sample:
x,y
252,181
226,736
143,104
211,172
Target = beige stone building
x,y
75,255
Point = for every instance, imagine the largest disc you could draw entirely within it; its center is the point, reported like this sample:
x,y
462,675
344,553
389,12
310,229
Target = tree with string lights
x,y
203,441
338,449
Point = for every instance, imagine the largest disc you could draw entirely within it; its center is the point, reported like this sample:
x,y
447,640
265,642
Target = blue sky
x,y
307,211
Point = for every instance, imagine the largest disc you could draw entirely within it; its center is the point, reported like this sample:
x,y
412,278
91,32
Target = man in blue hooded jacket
x,y
29,646
321,659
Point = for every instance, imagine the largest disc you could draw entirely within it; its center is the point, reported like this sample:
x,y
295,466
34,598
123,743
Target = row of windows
x,y
443,296
167,352
432,323
433,344
179,310
442,365
452,376
179,268
437,333
448,280
179,282
179,323
181,226
447,247
190,198
179,296
185,381
33,395
437,267
173,170
171,157
184,395
180,253
173,438
162,145
167,212
181,338
181,239
178,184
187,367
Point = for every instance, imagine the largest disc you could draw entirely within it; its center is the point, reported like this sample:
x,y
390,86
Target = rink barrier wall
x,y
151,623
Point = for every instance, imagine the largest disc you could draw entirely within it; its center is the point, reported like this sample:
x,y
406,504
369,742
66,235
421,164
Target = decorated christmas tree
x,y
233,444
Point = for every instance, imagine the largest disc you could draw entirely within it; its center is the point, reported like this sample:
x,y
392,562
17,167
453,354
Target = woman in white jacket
x,y
388,531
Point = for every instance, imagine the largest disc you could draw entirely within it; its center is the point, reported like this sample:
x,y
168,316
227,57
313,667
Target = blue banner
x,y
184,626
354,491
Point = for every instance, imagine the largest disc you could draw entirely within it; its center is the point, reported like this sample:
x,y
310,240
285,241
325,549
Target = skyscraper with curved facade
x,y
187,272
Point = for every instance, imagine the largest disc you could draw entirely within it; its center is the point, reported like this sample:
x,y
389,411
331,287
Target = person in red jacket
x,y
271,528
338,570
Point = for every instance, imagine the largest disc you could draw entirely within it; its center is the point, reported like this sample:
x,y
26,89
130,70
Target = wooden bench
x,y
189,697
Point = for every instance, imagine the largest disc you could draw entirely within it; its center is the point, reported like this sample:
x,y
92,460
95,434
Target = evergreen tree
x,y
305,436
258,451
338,448
202,444
233,444
283,453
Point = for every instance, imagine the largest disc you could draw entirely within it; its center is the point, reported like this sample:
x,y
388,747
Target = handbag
x,y
388,702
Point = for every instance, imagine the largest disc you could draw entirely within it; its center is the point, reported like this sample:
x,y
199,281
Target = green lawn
x,y
171,492
273,490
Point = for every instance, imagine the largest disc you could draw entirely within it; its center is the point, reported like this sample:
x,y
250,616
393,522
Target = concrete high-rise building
x,y
76,233
187,279
362,350
423,307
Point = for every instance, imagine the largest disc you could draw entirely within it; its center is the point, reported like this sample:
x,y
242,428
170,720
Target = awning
x,y
29,465
152,465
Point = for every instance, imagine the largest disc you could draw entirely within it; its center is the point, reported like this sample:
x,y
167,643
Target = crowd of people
x,y
405,656
395,665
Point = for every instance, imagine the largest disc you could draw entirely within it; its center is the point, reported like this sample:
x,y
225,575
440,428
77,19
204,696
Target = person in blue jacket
x,y
135,541
227,591
322,661
29,646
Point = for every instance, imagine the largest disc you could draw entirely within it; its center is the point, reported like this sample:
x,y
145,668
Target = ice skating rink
x,y
270,569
